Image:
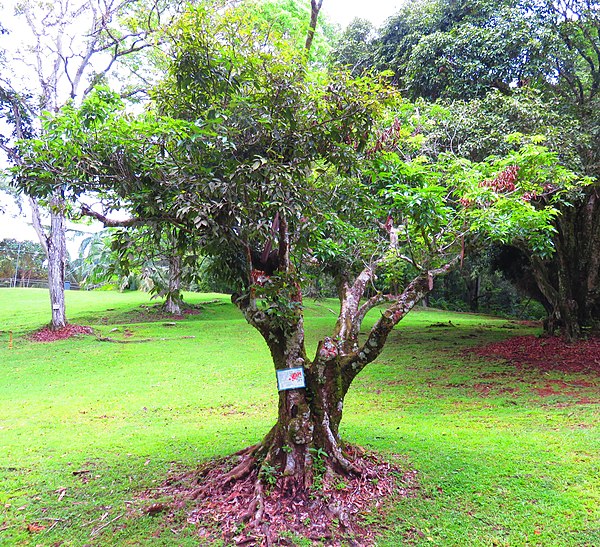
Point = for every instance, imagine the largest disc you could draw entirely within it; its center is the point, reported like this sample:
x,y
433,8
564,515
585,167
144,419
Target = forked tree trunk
x,y
305,440
305,443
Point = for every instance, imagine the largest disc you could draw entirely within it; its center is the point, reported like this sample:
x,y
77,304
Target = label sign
x,y
290,378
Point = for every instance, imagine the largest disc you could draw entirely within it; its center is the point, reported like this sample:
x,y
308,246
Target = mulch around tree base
x,y
546,353
341,512
48,335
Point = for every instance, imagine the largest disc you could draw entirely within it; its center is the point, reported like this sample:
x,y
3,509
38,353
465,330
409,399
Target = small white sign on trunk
x,y
290,378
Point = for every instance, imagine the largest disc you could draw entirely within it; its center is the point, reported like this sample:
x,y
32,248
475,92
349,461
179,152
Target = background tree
x,y
59,62
163,256
541,59
20,262
354,49
442,48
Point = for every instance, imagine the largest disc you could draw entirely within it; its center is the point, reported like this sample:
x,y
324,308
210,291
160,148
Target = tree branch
x,y
402,304
315,8
36,220
111,223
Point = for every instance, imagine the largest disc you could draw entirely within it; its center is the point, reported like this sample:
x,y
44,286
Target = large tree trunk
x,y
578,260
570,279
304,446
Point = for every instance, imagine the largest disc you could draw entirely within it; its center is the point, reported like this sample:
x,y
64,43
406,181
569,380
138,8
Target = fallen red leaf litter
x,y
546,353
343,512
68,331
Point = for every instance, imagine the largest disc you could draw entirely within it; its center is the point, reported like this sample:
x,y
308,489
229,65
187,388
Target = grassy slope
x,y
499,465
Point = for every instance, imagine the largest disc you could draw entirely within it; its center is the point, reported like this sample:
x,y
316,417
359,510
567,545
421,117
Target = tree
x,y
270,169
442,48
20,261
63,61
164,256
542,58
571,280
354,49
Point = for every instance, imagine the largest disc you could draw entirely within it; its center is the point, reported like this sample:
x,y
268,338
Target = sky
x,y
17,226
343,11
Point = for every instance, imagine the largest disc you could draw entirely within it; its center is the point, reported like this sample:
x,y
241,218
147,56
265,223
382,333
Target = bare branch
x,y
36,219
402,304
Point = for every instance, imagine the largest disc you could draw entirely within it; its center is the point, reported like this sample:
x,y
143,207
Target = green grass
x,y
85,425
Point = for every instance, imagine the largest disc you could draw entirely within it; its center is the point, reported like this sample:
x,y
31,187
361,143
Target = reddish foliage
x,y
504,181
48,335
387,139
546,353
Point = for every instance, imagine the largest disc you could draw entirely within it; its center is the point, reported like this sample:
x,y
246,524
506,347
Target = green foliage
x,y
242,126
243,135
319,467
440,48
21,261
268,474
354,48
444,203
279,300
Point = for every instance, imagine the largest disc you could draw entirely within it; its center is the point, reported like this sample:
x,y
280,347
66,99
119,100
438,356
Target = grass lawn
x,y
85,425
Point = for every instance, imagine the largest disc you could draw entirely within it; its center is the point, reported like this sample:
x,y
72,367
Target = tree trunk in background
x,y
173,301
473,286
55,246
570,280
57,258
315,8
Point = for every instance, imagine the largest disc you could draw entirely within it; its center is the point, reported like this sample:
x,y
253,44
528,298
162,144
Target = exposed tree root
x,y
232,503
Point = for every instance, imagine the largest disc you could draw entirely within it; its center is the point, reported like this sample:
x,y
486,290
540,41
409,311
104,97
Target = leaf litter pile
x,y
68,331
341,511
546,353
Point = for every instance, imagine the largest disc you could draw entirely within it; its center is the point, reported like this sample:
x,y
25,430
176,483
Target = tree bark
x,y
173,300
315,8
57,257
